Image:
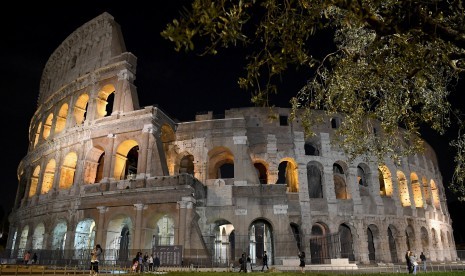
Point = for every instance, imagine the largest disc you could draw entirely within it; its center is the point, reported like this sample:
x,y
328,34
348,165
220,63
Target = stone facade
x,y
101,169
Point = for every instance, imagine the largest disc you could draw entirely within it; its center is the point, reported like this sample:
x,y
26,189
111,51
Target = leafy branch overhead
x,y
388,64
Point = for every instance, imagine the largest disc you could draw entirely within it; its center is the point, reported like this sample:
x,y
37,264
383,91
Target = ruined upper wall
x,y
90,47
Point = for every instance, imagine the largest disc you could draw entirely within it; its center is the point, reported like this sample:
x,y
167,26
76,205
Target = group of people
x,y
413,262
245,263
27,259
145,263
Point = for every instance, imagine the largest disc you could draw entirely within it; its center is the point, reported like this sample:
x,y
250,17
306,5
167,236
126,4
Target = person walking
x,y
302,261
243,263
34,258
265,261
407,259
150,261
423,261
249,264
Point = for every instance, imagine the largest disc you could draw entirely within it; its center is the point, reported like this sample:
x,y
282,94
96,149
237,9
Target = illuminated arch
x,y
34,182
59,235
61,118
47,126
385,181
126,159
416,189
49,175
80,108
403,189
426,190
340,185
435,193
84,235
165,231
260,240
104,97
67,171
23,241
288,174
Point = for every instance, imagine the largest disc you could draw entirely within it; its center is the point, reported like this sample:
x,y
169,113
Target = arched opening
x,y
187,164
288,174
61,118
345,237
38,237
49,175
410,237
126,160
47,126
392,244
340,186
67,171
262,172
424,239
260,240
373,243
218,157
314,179
105,99
23,241
403,189
118,233
34,182
59,239
416,189
224,244
296,232
435,193
165,231
80,109
320,243
311,149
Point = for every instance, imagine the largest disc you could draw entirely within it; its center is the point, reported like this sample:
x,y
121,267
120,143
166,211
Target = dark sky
x,y
180,84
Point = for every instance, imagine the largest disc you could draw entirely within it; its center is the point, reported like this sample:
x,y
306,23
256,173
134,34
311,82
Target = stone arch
x,y
288,174
416,189
218,158
34,181
49,175
38,237
60,123
320,246
84,236
403,189
94,164
105,100
224,243
340,182
346,241
392,232
261,167
410,237
59,236
426,190
47,126
296,233
385,181
315,179
23,241
311,149
68,170
363,175
118,237
80,109
260,240
186,164
435,193
126,159
424,239
374,243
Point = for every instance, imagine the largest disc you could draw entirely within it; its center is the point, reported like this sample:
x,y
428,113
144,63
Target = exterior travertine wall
x,y
101,169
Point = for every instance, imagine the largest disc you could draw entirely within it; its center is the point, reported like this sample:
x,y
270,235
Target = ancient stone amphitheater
x,y
100,169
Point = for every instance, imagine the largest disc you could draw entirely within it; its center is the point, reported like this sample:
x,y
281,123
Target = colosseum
x,y
100,169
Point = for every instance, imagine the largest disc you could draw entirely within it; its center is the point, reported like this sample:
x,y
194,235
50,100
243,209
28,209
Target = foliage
x,y
389,64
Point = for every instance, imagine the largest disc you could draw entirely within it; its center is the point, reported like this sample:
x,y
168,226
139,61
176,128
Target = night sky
x,y
181,84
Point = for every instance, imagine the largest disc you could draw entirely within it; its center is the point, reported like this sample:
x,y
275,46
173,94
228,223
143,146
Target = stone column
x,y
100,226
109,160
182,205
354,189
138,229
144,151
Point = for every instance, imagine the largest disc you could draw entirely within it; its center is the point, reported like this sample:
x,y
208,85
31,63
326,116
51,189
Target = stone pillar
x,y
354,189
144,151
243,174
271,150
182,205
109,160
125,100
100,226
138,229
